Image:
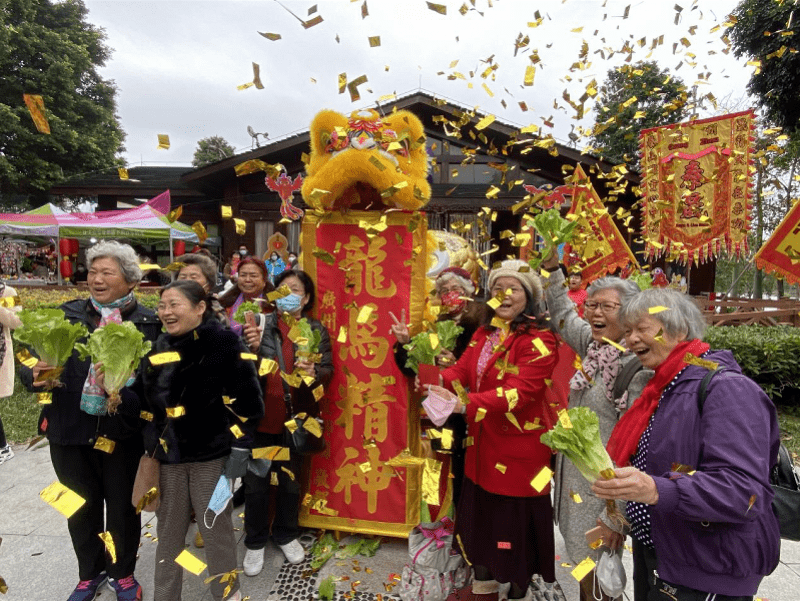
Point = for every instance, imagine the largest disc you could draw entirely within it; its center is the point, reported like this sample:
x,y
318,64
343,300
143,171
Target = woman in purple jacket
x,y
696,479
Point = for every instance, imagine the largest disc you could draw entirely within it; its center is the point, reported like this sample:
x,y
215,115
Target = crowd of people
x,y
692,478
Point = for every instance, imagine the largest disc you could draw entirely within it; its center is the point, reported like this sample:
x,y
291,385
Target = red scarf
x,y
629,429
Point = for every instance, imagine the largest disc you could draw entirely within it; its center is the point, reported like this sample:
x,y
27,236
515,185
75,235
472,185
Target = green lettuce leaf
x,y
322,550
311,338
420,349
554,230
49,334
581,443
245,306
327,588
120,348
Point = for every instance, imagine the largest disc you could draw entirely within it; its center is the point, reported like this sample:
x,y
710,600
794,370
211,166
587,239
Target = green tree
x,y
49,48
758,33
658,99
210,150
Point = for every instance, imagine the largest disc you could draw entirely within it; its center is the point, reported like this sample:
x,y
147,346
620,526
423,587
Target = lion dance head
x,y
365,160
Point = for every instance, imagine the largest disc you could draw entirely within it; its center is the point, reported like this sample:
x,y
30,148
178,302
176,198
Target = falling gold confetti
x,y
189,562
163,142
62,499
108,541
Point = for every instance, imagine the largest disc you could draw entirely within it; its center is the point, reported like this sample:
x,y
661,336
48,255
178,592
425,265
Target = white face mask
x,y
222,495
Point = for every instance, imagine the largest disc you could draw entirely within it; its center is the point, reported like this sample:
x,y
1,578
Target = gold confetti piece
x,y
480,413
596,544
35,105
257,77
174,412
190,563
27,359
342,337
530,74
62,499
318,393
512,396
365,467
227,400
271,453
146,416
691,359
447,439
405,459
575,496
200,230
751,503
227,212
583,568
10,301
430,481
176,266
273,37
540,346
324,256
273,479
313,426
244,86
267,366
248,356
434,338
108,541
105,444
241,226
44,398
162,358
364,314
352,87
163,444
485,122
163,142
437,8
657,309
535,425
616,345
123,173
291,425
374,41
500,468
563,418
237,431
3,586
513,419
542,479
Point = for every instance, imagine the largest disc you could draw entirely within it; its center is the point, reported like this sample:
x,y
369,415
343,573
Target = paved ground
x,y
38,564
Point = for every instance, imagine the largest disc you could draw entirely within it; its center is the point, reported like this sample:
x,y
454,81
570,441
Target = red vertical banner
x,y
365,264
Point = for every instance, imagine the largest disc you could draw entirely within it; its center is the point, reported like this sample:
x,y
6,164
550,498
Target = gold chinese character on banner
x,y
371,481
363,270
368,399
363,341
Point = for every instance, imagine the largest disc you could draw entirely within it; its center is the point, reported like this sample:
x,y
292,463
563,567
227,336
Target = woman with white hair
x,y
607,383
94,454
694,457
504,518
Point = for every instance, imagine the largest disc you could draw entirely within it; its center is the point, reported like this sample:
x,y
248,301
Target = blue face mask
x,y
289,304
219,499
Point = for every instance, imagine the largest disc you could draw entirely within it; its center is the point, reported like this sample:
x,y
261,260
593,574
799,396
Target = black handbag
x,y
783,478
304,438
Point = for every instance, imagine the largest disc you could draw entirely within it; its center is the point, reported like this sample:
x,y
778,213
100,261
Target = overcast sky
x,y
177,63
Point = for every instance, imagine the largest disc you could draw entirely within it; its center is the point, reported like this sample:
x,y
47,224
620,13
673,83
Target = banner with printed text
x,y
696,180
781,253
365,264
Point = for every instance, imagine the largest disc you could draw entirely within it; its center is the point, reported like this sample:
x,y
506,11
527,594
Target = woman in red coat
x,y
504,519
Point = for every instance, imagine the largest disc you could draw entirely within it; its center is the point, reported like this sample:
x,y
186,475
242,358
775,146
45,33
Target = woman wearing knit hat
x,y
455,290
504,516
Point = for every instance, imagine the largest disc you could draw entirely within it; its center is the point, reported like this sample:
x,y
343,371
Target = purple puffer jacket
x,y
706,534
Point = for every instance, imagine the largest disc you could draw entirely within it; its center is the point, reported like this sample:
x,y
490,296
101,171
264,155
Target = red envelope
x,y
428,374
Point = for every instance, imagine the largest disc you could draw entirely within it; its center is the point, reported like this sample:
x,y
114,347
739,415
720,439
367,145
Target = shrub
x,y
42,297
768,355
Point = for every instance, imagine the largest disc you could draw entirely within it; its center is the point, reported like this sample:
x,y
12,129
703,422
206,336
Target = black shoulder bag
x,y
783,477
305,440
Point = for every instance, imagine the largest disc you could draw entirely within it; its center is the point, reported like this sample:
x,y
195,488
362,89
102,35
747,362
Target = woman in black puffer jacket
x,y
199,383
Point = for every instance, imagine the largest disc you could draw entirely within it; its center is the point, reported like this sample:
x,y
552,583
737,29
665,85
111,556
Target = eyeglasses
x,y
605,307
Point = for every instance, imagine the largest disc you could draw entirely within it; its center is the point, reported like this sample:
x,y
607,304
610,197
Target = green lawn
x,y
789,419
20,413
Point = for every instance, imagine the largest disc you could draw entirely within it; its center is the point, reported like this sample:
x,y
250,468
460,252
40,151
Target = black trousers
x,y
648,587
105,481
3,441
285,527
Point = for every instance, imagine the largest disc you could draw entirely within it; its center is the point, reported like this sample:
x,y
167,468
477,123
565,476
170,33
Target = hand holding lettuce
x,y
421,348
51,336
238,317
308,341
554,230
120,348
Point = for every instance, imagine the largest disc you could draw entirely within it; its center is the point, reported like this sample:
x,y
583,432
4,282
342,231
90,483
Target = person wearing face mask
x,y
183,383
270,432
593,338
275,266
291,263
455,290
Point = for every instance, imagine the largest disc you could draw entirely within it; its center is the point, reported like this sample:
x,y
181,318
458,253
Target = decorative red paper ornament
x,y
64,247
286,188
66,268
180,248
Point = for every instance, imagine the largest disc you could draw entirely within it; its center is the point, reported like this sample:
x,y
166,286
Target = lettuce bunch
x,y
120,348
238,317
49,334
554,230
581,444
420,349
308,340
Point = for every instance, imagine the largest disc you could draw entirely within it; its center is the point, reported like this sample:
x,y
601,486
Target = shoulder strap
x,y
703,393
625,376
287,393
